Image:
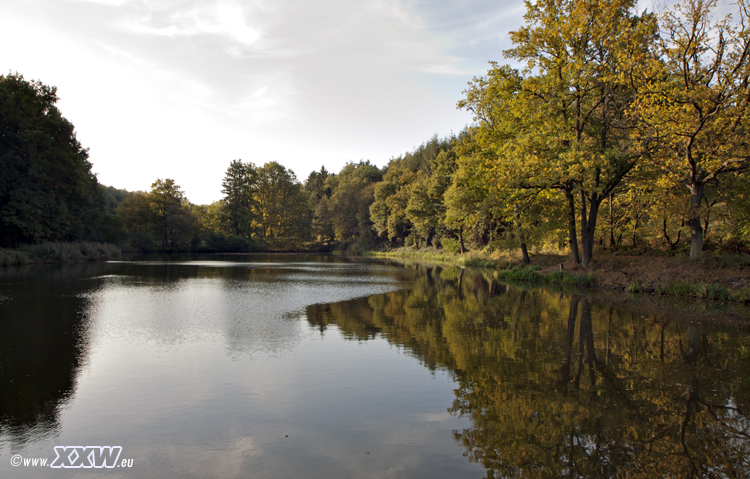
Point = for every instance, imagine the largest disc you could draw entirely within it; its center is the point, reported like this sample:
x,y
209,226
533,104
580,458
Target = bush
x,y
228,243
10,257
451,245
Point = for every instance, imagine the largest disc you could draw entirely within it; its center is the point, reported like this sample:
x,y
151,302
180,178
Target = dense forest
x,y
618,130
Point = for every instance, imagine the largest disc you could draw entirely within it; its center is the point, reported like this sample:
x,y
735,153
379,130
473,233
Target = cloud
x,y
225,19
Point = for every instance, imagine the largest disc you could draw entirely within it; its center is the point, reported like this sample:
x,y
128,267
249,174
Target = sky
x,y
179,88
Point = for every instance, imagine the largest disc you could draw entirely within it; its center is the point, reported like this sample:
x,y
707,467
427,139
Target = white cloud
x,y
222,18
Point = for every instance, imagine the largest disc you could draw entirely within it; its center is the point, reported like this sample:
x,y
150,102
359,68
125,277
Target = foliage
x,y
10,257
409,202
692,100
161,217
47,189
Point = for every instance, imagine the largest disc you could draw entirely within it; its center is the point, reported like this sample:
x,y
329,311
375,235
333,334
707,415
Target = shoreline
x,y
59,253
714,277
723,278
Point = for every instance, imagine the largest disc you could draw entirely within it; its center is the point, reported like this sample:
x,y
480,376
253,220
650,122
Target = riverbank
x,y
717,277
77,252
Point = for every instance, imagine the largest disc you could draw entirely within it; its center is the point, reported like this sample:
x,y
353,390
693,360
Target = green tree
x,y
315,185
239,185
353,193
409,200
172,220
136,216
281,204
47,189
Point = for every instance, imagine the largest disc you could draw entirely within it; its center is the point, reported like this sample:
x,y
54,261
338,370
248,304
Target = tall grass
x,y
441,256
701,289
530,274
10,257
77,252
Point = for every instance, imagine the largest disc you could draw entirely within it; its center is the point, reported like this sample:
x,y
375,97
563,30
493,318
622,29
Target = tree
x,y
572,52
693,93
238,186
47,189
136,216
165,200
281,204
409,199
315,185
162,214
353,193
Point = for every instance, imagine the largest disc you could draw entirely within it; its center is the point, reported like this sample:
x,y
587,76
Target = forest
x,y
608,129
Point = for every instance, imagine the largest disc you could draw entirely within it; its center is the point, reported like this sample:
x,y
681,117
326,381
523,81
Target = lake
x,y
292,366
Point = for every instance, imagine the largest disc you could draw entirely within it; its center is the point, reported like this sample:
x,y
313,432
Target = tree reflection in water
x,y
44,340
572,383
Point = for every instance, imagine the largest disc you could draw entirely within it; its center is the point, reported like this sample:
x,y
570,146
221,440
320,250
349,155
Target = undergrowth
x,y
77,252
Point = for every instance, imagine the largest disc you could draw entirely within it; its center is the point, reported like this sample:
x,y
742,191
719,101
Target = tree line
x,y
617,129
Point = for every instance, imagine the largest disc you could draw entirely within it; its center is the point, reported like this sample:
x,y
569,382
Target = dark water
x,y
294,367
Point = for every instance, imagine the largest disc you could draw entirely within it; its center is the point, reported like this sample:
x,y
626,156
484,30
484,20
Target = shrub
x,y
10,257
451,245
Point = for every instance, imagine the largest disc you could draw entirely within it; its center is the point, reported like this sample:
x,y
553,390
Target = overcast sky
x,y
179,88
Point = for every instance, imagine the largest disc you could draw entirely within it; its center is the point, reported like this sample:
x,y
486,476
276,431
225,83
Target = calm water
x,y
304,366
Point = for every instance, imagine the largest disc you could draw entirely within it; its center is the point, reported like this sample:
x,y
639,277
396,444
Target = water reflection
x,y
276,367
44,339
573,384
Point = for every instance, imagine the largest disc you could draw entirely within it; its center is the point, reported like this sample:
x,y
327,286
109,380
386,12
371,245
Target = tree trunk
x,y
611,225
461,239
588,226
565,370
521,237
586,332
572,236
696,230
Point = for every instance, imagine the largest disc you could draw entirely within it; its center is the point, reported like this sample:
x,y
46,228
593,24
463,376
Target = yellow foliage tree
x,y
692,95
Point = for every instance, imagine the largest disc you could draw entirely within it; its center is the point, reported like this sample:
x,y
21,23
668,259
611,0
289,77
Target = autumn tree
x,y
693,92
572,53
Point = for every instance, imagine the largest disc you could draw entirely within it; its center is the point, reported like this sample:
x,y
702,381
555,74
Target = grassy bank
x,y
78,252
715,277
